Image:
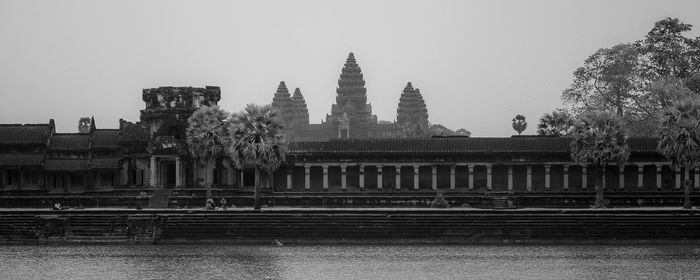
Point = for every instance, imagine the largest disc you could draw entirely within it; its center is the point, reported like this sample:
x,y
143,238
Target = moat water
x,y
349,262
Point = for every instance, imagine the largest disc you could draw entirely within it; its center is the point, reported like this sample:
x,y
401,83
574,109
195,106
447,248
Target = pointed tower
x,y
282,102
300,111
411,109
351,113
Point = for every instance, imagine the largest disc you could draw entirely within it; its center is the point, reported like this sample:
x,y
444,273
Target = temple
x,y
350,155
350,118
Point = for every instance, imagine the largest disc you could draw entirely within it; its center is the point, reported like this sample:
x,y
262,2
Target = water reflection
x,y
349,262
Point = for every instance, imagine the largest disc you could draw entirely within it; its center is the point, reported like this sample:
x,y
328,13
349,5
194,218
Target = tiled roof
x,y
454,145
67,164
28,134
131,132
105,138
70,141
104,163
21,159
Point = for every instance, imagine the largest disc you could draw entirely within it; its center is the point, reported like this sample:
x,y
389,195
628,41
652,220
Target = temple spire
x,y
300,111
411,108
282,102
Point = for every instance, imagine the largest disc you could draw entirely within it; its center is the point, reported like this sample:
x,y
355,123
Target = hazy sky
x,y
477,63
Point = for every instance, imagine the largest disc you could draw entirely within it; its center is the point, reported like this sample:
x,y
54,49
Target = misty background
x,y
477,63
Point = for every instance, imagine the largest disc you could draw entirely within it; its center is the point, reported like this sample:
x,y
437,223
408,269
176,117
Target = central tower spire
x,y
351,113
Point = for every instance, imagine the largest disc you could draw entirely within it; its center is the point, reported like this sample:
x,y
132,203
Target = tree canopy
x,y
635,81
519,124
557,123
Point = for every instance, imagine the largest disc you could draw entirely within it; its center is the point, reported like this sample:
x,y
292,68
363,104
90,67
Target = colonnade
x,y
489,174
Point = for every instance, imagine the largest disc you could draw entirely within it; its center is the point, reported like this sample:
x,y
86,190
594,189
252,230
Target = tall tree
x,y
519,124
257,141
206,137
666,52
605,81
599,139
680,139
558,123
625,78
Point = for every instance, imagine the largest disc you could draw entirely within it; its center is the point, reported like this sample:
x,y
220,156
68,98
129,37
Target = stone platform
x,y
354,226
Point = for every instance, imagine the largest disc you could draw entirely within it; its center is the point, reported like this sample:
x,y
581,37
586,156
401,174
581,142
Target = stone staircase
x,y
160,198
501,202
97,229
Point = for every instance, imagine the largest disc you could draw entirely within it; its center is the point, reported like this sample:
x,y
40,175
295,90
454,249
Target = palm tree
x,y
257,140
680,139
206,137
519,124
599,139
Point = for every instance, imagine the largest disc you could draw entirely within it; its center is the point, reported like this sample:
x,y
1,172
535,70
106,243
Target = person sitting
x,y
210,204
57,206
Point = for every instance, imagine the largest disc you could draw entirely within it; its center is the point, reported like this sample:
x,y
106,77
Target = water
x,y
349,262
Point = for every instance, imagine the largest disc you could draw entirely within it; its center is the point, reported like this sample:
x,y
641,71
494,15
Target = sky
x,y
477,63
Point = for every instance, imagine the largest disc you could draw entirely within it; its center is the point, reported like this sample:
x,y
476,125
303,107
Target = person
x,y
223,203
210,204
57,206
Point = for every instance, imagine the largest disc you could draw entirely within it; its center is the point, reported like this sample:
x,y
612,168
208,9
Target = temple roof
x,y
105,138
70,141
454,145
27,134
104,163
67,164
15,160
133,132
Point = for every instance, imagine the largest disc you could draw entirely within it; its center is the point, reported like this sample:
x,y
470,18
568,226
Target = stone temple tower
x,y
301,112
411,108
351,113
282,102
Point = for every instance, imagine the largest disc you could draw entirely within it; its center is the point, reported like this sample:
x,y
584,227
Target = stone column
x,y
658,176
325,177
398,176
489,181
621,178
362,177
603,176
529,178
343,178
178,172
230,174
307,177
471,176
584,176
566,177
510,178
242,182
452,177
379,177
678,179
640,176
547,172
290,170
416,177
434,185
153,171
697,178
